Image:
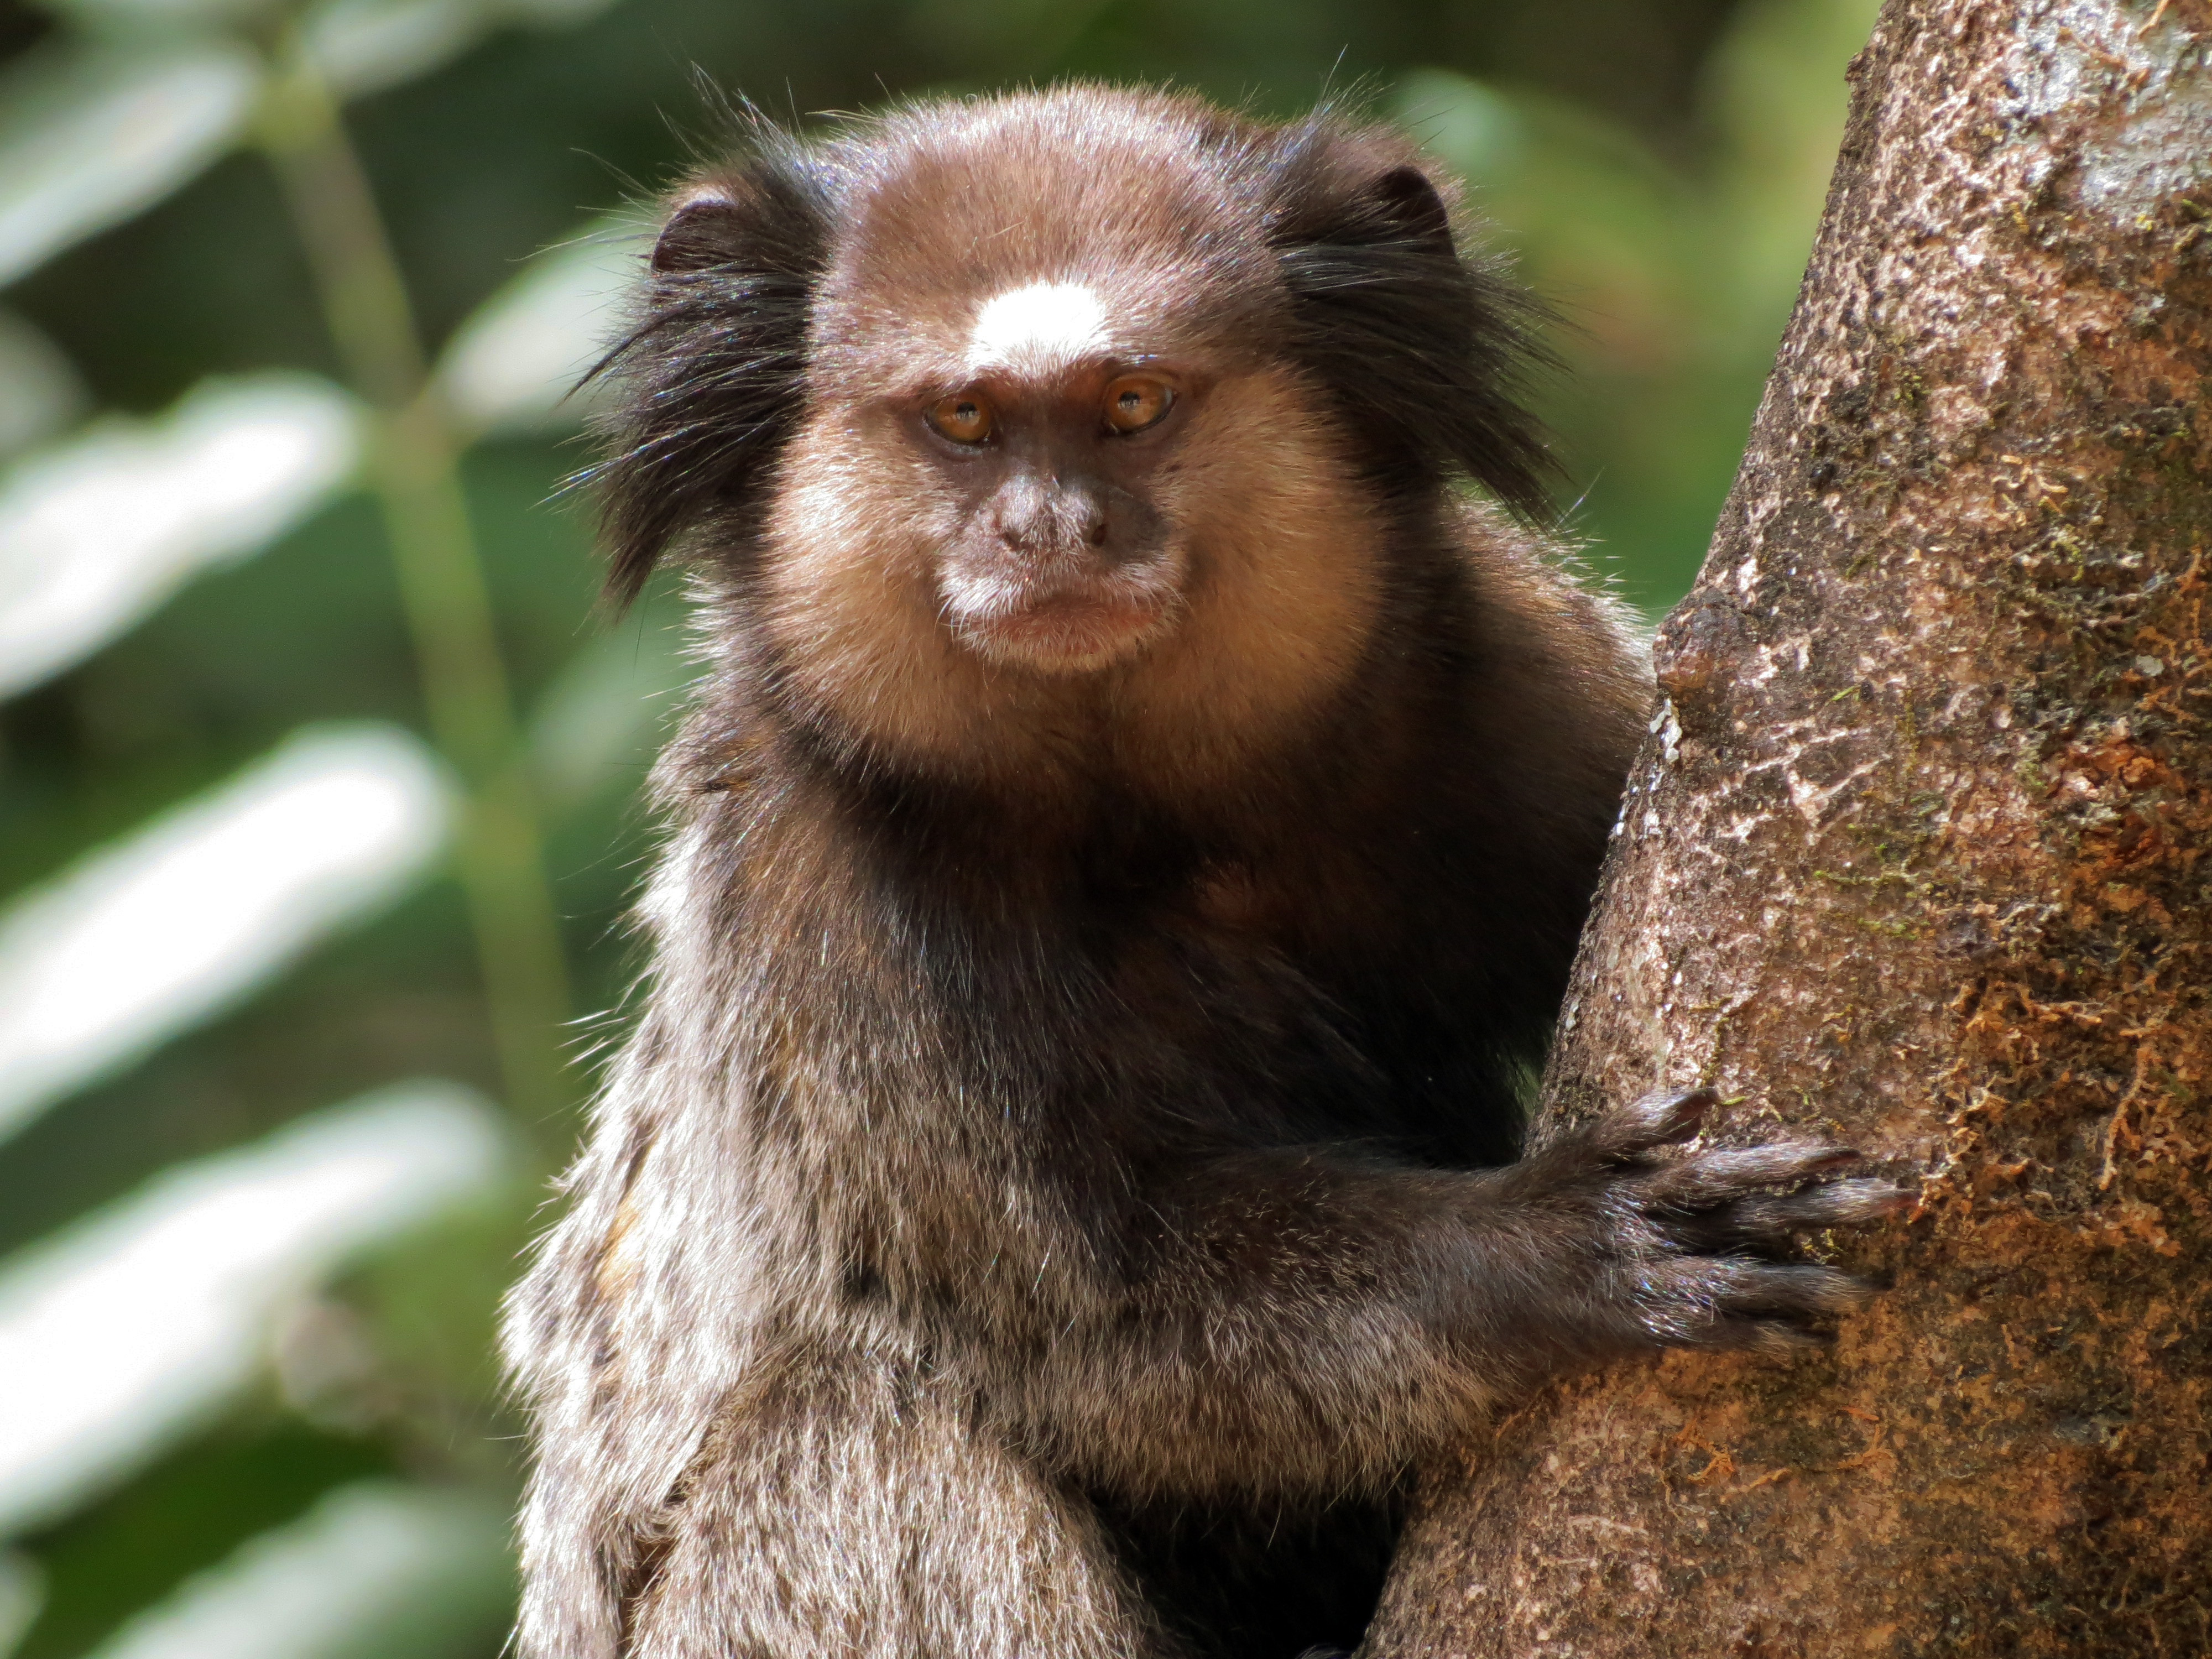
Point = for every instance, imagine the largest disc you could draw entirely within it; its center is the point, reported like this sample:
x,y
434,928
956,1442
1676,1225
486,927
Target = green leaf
x,y
39,390
129,1329
146,938
23,1593
376,1571
95,134
516,363
96,532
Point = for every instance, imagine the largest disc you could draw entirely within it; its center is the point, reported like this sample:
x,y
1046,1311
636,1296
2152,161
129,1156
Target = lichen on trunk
x,y
1914,856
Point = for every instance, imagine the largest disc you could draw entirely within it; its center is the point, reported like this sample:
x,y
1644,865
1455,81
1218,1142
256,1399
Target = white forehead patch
x,y
1038,327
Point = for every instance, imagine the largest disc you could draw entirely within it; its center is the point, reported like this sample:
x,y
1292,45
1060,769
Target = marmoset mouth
x,y
1061,620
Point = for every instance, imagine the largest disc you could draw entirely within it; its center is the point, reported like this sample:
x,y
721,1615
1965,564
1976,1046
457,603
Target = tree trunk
x,y
1913,857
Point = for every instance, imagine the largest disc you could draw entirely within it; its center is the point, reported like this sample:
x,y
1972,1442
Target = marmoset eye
x,y
966,417
1137,401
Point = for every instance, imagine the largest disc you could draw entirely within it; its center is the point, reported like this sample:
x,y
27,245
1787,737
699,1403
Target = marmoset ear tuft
x,y
1406,195
713,371
1425,347
704,229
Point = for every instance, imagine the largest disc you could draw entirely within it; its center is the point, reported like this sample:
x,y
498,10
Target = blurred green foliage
x,y
1656,166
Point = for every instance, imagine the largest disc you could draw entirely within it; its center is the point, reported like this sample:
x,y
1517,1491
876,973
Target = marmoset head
x,y
980,411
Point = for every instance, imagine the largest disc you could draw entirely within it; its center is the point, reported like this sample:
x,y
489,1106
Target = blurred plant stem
x,y
415,463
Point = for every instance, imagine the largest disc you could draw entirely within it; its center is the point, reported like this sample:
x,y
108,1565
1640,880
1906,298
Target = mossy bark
x,y
1915,857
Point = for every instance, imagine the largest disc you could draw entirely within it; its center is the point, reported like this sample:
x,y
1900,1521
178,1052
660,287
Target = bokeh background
x,y
318,772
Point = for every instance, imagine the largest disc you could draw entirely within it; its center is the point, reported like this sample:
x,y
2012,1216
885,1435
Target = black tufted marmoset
x,y
1128,841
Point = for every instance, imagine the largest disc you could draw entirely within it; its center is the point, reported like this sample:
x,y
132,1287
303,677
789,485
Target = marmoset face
x,y
1051,441
1058,471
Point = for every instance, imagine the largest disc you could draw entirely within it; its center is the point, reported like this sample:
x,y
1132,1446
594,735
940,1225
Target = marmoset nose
x,y
1040,518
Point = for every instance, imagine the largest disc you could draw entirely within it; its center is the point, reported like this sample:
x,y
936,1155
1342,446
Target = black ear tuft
x,y
1424,349
705,229
1405,194
713,374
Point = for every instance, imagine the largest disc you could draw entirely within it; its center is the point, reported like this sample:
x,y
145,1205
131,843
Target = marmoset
x,y
1125,852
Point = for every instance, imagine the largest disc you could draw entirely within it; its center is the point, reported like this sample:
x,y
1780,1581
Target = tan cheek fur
x,y
851,601
1283,591
1284,588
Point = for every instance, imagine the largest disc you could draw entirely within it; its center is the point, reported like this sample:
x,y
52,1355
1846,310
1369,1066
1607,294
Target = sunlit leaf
x,y
366,46
130,1328
40,390
124,18
22,1593
95,533
376,1571
95,135
146,938
1474,127
1600,228
551,13
604,716
1778,101
516,363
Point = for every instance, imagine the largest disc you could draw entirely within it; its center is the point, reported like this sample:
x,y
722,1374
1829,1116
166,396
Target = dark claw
x,y
1756,1335
1796,1288
1659,1120
1713,1178
1729,1302
1707,1286
1767,1336
1839,1204
1768,1220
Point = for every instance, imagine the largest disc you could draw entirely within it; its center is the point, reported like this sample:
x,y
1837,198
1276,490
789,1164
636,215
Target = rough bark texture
x,y
1914,855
